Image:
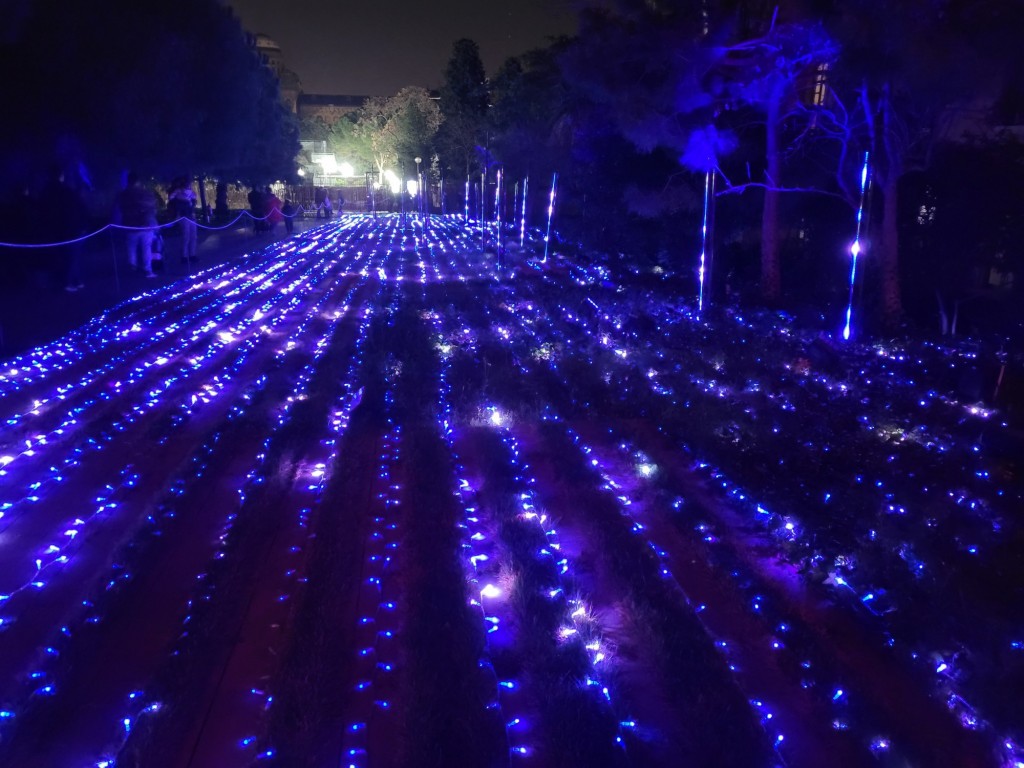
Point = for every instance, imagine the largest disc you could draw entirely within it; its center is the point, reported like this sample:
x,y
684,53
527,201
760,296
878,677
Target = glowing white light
x,y
490,591
413,187
495,417
328,162
346,170
393,182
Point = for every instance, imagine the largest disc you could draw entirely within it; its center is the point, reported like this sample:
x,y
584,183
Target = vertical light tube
x,y
497,206
551,213
703,242
522,223
856,248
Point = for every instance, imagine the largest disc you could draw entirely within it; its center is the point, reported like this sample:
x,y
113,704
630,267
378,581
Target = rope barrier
x,y
127,228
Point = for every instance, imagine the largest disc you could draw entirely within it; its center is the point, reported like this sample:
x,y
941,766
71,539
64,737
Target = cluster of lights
x,y
258,474
787,527
182,404
180,348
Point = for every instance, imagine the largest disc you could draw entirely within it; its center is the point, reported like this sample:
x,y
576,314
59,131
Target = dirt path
x,y
889,687
135,647
676,720
727,614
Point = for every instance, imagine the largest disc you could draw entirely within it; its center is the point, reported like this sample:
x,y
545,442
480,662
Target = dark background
x,y
377,48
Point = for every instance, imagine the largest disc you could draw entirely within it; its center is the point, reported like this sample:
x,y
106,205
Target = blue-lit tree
x,y
688,78
907,81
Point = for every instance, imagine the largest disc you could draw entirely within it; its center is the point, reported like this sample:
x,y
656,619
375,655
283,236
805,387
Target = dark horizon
x,y
339,51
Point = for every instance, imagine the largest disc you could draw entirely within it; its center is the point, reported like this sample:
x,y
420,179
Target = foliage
x,y
398,128
961,231
906,79
464,102
348,143
531,113
162,89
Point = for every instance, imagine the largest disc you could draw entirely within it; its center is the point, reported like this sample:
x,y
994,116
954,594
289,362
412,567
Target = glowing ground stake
x,y
704,240
855,248
497,206
551,212
522,221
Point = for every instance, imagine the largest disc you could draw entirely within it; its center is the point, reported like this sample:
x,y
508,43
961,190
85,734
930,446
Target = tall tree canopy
x,y
905,80
162,88
399,128
691,78
464,105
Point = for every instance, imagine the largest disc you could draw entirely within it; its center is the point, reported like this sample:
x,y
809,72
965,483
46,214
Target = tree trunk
x,y
771,278
892,307
222,199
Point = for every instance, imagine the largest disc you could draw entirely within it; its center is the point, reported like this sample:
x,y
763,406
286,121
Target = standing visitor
x,y
136,209
289,213
258,210
182,204
273,209
67,226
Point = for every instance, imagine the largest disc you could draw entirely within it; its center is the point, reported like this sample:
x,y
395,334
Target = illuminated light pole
x,y
551,213
444,208
705,267
522,222
419,187
370,193
467,199
402,191
497,206
855,249
515,205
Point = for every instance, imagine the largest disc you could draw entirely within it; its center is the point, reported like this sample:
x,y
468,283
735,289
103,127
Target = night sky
x,y
377,47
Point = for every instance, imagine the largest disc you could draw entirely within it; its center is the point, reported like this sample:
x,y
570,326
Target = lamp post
x,y
370,193
419,186
402,191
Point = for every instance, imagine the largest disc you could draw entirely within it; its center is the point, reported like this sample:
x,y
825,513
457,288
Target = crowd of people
x,y
62,211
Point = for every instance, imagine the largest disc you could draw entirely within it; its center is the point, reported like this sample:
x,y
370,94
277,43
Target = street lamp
x,y
419,185
401,191
370,192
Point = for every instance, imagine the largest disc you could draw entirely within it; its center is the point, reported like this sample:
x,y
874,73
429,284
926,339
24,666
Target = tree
x,y
398,128
156,87
690,78
531,111
346,141
908,76
770,73
464,105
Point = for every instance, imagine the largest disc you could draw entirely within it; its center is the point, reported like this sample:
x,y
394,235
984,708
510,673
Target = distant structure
x,y
318,166
289,83
328,107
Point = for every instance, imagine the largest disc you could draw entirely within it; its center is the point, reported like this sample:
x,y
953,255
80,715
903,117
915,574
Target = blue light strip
x,y
855,248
